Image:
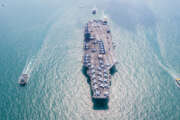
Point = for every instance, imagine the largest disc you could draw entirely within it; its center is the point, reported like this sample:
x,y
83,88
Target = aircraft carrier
x,y
98,57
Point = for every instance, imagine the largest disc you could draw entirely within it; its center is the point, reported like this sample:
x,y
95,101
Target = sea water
x,y
45,39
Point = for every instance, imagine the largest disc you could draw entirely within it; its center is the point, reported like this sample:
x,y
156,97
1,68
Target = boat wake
x,y
168,69
29,67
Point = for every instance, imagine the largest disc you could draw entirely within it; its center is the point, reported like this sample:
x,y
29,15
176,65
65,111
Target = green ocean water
x,y
45,39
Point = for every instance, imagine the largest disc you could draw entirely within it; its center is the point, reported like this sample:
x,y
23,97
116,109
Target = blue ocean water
x,y
45,39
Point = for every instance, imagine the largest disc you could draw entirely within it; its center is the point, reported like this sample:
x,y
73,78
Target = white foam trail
x,y
29,67
168,69
104,16
34,61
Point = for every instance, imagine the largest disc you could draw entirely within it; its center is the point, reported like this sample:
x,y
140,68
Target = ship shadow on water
x,y
113,70
98,104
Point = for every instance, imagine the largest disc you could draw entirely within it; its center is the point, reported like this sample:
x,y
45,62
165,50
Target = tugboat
x,y
178,82
94,10
23,79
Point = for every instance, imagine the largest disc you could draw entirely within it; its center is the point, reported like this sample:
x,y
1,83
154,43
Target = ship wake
x,y
29,67
168,69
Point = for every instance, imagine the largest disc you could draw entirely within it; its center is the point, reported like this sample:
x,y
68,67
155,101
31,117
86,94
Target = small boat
x,y
105,20
94,10
23,79
178,82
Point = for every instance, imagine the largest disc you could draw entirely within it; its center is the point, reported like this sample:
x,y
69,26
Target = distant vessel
x,y
94,10
178,82
23,79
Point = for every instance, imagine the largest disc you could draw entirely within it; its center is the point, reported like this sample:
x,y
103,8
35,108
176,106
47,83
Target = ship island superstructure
x,y
98,57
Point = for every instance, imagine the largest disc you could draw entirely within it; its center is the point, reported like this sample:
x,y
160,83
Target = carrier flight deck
x,y
98,57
